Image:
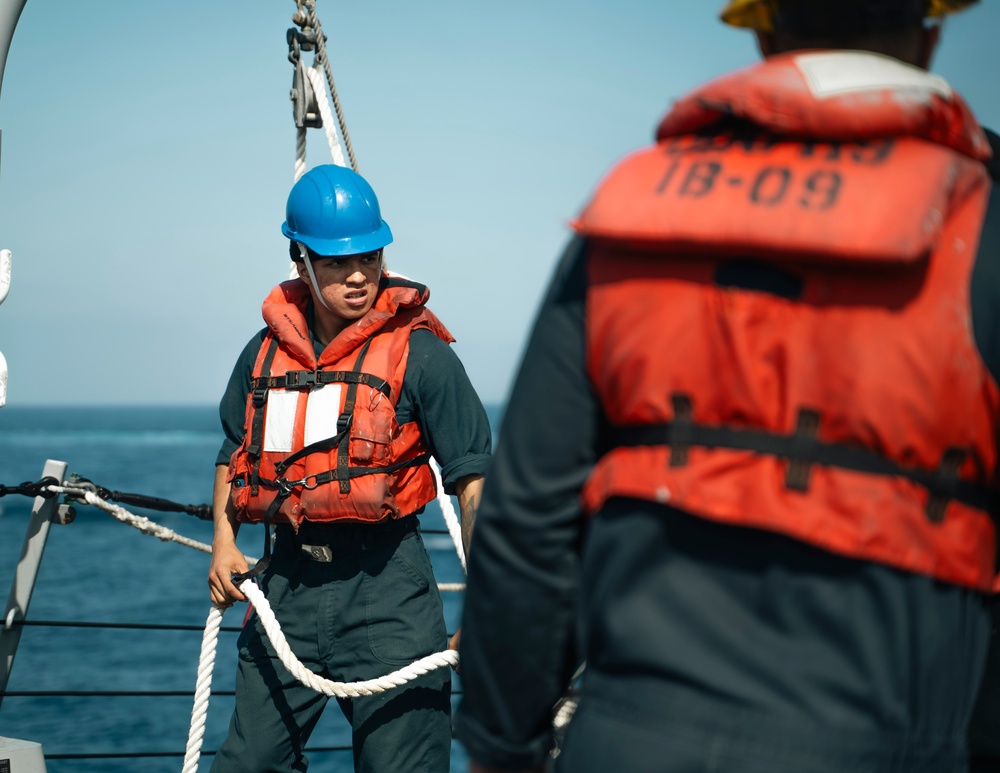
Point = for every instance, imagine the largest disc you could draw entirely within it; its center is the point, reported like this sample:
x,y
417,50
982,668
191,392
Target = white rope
x,y
565,713
206,665
209,644
300,153
329,126
141,523
202,690
300,169
325,686
323,57
450,519
169,535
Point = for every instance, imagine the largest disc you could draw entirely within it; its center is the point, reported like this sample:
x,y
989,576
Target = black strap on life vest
x,y
258,396
285,487
354,378
307,379
265,559
802,449
344,423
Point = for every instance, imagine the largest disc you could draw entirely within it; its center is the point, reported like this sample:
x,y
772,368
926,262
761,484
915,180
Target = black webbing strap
x,y
344,423
258,397
319,445
340,474
802,449
265,559
307,379
285,488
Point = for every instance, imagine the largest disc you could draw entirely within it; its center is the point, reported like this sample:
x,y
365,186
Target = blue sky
x,y
148,150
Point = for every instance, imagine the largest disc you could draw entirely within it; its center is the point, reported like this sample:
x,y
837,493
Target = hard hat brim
x,y
352,245
758,14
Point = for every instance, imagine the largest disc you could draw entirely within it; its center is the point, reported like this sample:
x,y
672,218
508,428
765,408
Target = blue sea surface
x,y
96,569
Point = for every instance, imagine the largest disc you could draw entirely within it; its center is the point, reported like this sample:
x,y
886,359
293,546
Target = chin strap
x,y
309,267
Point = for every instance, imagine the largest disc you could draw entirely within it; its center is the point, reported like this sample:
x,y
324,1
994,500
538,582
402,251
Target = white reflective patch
x,y
836,73
279,419
322,412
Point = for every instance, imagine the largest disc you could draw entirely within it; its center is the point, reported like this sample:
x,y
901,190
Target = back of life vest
x,y
779,332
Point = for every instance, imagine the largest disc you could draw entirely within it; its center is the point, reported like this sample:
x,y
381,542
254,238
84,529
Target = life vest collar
x,y
834,95
285,309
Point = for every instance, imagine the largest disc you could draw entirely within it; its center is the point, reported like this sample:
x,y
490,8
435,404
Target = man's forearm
x,y
469,491
224,515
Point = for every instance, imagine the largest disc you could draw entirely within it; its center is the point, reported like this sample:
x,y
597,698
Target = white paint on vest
x,y
836,73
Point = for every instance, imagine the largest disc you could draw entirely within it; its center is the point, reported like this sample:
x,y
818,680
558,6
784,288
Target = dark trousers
x,y
367,612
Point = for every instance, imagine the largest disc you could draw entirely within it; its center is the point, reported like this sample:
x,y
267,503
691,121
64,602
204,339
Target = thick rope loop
x,y
325,686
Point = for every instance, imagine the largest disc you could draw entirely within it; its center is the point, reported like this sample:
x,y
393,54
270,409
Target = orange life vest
x,y
322,442
855,413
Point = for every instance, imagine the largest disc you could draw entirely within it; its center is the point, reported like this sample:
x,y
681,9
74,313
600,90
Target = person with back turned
x,y
747,472
331,416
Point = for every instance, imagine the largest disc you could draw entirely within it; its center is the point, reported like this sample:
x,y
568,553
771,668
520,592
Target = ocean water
x,y
99,570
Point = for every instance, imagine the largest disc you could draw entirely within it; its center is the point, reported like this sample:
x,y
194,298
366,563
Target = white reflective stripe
x,y
279,419
322,412
835,73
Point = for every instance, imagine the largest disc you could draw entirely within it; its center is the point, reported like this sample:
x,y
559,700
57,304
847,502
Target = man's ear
x,y
300,267
766,43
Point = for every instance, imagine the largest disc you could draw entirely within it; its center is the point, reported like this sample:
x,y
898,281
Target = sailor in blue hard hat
x,y
331,416
337,236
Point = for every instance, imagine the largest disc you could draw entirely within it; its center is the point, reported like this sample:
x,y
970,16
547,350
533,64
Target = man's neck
x,y
322,327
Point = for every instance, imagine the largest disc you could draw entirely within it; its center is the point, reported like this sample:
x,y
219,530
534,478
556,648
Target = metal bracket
x,y
305,108
44,512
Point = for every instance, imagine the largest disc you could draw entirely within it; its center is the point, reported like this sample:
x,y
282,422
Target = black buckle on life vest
x,y
946,483
301,379
259,396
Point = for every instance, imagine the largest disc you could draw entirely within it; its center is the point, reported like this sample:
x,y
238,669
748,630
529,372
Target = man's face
x,y
348,283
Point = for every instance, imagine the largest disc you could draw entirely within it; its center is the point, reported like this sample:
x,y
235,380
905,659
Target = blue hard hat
x,y
333,210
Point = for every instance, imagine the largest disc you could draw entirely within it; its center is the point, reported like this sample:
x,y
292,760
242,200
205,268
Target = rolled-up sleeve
x,y
449,412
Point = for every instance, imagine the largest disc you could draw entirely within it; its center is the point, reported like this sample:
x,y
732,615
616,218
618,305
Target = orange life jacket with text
x,y
850,410
322,442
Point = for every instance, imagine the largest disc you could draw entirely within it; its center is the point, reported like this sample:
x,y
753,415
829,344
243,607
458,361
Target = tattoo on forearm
x,y
469,508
